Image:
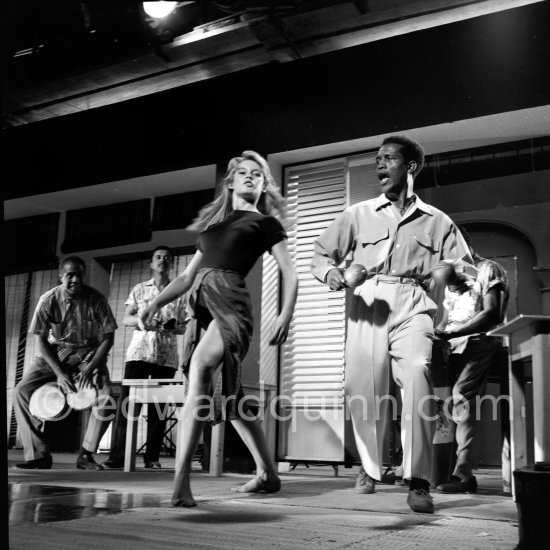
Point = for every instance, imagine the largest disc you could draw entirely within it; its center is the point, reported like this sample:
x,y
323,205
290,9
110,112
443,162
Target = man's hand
x,y
86,375
444,274
335,279
65,382
441,334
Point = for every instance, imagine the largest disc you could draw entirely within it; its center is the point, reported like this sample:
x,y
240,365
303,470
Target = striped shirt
x,y
75,324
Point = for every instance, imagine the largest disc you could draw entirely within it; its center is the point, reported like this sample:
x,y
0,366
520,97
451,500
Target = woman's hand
x,y
145,317
290,290
280,330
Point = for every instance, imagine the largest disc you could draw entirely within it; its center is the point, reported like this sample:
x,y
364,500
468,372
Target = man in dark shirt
x,y
74,329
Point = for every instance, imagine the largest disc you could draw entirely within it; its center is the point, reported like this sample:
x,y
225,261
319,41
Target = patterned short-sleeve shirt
x,y
150,346
74,324
464,306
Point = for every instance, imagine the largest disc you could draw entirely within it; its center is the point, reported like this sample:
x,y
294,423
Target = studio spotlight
x,y
159,9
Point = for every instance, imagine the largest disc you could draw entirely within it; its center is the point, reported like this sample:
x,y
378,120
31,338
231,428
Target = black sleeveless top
x,y
238,241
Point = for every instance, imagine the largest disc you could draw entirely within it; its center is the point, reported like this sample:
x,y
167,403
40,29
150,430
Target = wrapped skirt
x,y
222,295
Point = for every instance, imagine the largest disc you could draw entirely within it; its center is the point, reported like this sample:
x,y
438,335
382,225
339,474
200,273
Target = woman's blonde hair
x,y
271,202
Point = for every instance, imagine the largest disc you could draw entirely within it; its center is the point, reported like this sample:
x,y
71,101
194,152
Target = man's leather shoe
x,y
113,464
456,485
87,462
391,478
420,500
42,463
364,484
153,464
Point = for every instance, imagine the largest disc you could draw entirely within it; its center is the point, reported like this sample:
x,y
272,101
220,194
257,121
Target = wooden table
x,y
529,344
161,391
172,391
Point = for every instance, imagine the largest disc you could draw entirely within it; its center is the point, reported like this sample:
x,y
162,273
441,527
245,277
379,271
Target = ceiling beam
x,y
204,54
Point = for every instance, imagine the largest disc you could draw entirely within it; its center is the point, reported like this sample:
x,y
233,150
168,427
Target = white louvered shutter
x,y
311,374
362,180
313,356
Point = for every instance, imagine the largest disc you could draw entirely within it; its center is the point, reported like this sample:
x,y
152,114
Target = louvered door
x,y
312,414
311,376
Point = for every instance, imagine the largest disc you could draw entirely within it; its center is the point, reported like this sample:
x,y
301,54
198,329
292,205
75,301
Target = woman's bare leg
x,y
266,478
196,410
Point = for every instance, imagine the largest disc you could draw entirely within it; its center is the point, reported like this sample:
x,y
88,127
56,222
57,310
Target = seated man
x,y
472,307
151,354
74,329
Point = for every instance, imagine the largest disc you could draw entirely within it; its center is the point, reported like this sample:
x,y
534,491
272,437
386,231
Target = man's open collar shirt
x,y
388,243
73,324
155,346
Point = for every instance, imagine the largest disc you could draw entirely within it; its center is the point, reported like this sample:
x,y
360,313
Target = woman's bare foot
x,y
266,483
176,501
182,495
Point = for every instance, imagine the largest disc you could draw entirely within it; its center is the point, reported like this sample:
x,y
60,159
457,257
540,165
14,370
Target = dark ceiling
x,y
45,40
67,56
48,38
342,86
492,64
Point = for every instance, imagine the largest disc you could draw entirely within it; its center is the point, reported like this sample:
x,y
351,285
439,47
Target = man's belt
x,y
392,280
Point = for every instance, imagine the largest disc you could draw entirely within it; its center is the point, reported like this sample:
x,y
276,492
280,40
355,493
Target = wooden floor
x,y
68,508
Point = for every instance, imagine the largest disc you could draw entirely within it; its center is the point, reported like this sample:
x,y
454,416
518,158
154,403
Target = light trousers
x,y
32,437
390,326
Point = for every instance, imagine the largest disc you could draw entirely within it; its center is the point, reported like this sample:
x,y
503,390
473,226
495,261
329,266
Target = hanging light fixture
x,y
159,9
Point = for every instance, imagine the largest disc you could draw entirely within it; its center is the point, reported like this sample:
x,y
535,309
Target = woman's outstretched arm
x,y
174,290
290,291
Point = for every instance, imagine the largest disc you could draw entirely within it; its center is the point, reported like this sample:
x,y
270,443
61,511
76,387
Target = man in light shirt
x,y
472,308
399,239
74,328
151,354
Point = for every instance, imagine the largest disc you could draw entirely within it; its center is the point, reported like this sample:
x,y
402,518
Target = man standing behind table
x,y
74,329
472,308
399,239
151,354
